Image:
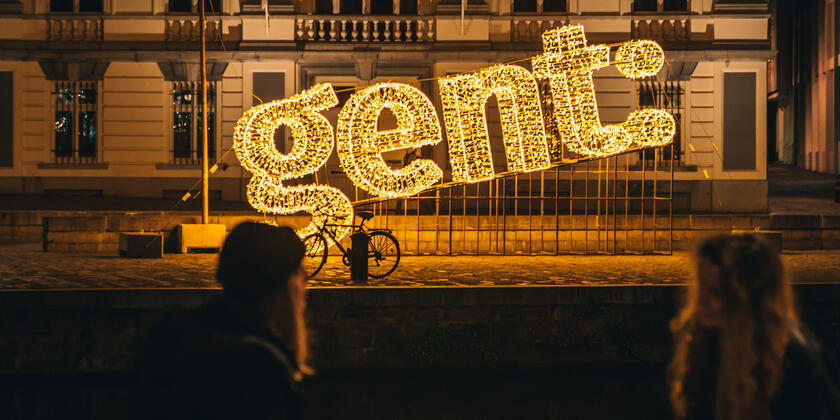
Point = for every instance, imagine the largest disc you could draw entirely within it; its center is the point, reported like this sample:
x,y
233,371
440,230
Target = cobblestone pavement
x,y
27,267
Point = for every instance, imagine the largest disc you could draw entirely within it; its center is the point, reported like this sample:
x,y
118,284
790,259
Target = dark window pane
x,y
211,135
64,133
554,5
525,5
644,5
182,6
675,5
182,97
408,7
61,5
323,7
211,95
6,118
64,97
353,7
87,133
381,7
181,130
87,96
90,6
212,7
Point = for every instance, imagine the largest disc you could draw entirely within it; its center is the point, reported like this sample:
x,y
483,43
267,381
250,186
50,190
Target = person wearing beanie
x,y
244,354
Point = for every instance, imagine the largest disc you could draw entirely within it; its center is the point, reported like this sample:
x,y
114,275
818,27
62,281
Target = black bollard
x,y
358,257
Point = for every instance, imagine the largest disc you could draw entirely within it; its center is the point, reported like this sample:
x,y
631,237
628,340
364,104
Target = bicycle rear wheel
x,y
316,253
383,254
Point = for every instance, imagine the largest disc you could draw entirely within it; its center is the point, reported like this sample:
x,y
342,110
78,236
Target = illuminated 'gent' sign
x,y
567,64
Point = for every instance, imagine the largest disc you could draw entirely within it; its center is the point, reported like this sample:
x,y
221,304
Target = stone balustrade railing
x,y
188,30
364,29
530,28
74,29
661,29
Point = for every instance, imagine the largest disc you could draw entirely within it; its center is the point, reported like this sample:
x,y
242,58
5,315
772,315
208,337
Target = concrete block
x,y
141,245
143,223
830,221
799,221
197,236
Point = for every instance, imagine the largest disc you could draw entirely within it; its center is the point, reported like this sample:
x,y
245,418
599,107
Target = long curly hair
x,y
757,307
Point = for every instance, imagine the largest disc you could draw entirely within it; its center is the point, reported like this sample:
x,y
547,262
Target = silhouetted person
x,y
242,355
741,353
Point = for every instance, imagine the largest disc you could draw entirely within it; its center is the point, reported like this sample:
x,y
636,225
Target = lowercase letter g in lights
x,y
464,98
313,142
568,64
360,144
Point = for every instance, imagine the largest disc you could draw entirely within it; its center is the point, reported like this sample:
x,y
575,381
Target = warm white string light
x,y
360,145
313,142
568,64
523,133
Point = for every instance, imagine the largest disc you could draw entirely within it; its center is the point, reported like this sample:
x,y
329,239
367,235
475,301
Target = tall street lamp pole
x,y
205,173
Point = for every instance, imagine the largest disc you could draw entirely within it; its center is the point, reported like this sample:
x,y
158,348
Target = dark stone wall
x,y
506,352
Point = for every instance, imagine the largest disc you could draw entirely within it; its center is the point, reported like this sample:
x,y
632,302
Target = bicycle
x,y
383,248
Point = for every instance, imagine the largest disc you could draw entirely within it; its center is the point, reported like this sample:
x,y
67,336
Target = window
x,y
75,122
667,95
525,6
675,5
270,86
187,124
408,7
77,6
180,6
186,6
353,7
534,6
6,120
656,6
382,7
323,7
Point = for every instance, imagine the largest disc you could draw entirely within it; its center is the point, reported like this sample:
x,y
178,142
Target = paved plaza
x,y
27,267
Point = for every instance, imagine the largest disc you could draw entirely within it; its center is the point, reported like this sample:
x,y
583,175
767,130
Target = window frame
x,y
194,108
540,9
75,10
196,7
76,108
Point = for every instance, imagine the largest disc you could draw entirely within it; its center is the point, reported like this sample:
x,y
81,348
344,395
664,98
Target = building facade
x,y
803,85
101,96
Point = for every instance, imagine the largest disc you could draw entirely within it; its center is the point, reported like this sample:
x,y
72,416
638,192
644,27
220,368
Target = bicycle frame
x,y
356,228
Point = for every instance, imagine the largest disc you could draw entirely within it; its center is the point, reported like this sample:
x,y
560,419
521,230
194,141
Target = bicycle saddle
x,y
365,215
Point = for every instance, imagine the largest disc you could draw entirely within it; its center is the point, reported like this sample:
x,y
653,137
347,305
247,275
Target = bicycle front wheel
x,y
316,253
383,254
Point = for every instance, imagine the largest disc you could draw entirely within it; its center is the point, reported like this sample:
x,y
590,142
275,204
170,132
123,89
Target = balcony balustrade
x,y
364,29
661,29
188,30
530,28
70,29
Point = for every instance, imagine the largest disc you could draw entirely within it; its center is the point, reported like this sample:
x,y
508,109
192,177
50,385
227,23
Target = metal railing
x,y
597,206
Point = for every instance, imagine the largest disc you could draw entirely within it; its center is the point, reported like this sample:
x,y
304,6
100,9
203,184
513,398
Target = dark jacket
x,y
806,389
216,363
